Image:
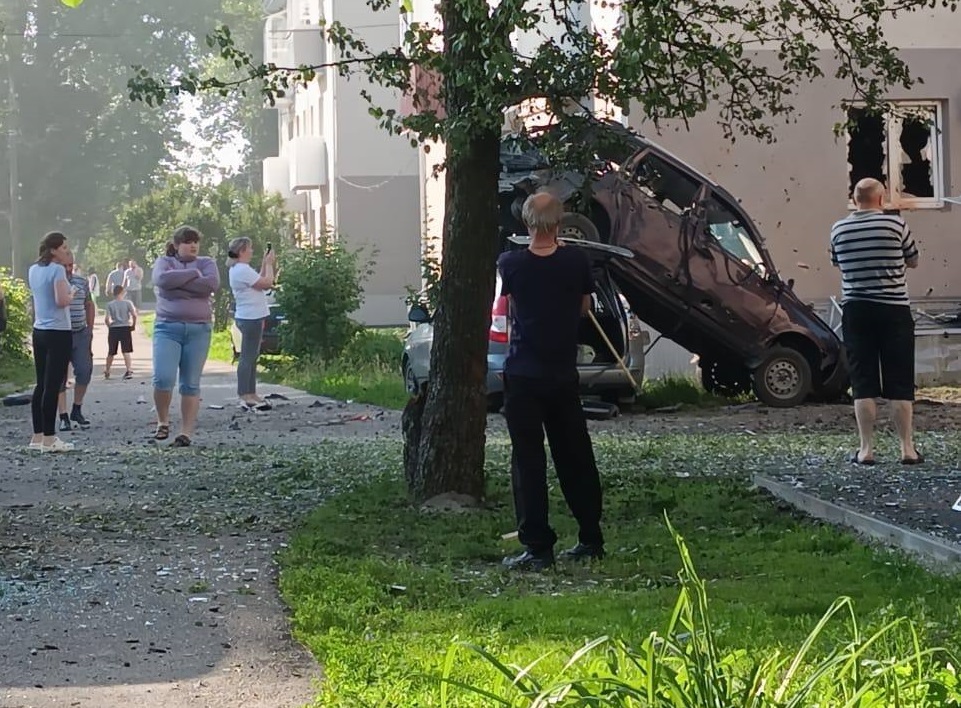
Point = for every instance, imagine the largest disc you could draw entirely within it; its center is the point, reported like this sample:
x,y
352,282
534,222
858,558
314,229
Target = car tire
x,y
783,379
574,225
723,378
410,379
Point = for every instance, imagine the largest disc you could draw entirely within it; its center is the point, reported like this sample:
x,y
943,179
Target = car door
x,y
732,271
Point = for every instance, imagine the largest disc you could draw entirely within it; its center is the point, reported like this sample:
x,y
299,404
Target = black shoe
x,y
65,424
77,417
528,560
583,551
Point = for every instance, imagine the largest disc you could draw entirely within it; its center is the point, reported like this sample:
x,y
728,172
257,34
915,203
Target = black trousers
x,y
879,339
51,357
531,407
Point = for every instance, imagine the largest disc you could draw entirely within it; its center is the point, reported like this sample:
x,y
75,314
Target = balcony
x,y
277,176
308,163
308,45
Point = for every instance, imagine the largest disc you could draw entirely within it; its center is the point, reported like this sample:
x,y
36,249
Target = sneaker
x,y
583,551
65,424
77,417
127,375
529,560
57,445
35,446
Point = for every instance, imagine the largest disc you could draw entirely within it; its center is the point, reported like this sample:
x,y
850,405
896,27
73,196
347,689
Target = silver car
x,y
600,373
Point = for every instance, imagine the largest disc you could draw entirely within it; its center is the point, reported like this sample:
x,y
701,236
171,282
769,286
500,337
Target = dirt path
x,y
132,573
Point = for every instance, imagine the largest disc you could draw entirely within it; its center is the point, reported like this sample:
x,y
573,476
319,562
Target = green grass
x,y
220,344
15,375
675,390
770,573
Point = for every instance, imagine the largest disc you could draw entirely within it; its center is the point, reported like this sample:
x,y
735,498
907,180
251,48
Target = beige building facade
x,y
335,167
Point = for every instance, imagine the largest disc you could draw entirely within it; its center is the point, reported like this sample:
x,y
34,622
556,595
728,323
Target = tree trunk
x,y
450,455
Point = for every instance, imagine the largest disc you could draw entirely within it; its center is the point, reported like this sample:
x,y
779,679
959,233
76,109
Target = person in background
x,y
133,283
121,319
114,278
184,282
251,309
93,285
3,311
873,250
549,286
52,340
82,317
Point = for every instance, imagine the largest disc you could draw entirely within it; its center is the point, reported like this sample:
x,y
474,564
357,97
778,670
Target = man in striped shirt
x,y
873,249
82,317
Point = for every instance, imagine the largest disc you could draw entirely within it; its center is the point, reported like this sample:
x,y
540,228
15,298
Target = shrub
x,y
383,348
13,342
320,287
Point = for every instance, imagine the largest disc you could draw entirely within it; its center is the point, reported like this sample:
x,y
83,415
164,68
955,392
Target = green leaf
x,y
72,3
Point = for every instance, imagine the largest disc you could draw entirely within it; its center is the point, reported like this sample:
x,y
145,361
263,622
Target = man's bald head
x,y
869,193
542,213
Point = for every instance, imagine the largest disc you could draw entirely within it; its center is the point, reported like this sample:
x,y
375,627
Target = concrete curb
x,y
911,541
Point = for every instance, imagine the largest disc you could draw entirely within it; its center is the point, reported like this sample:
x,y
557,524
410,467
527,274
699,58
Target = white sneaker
x,y
35,446
57,445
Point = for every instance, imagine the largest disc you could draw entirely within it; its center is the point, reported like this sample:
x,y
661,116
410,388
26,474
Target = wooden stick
x,y
636,386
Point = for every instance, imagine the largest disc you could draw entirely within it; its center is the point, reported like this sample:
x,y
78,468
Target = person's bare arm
x,y
913,261
133,316
63,292
90,311
585,305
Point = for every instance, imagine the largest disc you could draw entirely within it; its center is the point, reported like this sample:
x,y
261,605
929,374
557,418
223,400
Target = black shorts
x,y
879,339
119,337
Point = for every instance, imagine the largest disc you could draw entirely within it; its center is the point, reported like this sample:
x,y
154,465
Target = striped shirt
x,y
78,310
871,248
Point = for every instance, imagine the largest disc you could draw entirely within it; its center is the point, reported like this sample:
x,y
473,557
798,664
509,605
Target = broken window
x,y
667,184
900,147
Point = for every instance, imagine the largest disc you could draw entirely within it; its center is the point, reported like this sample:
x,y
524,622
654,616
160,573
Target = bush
x,y
382,348
13,342
319,289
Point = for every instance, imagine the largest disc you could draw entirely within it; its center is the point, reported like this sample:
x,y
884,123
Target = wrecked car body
x,y
701,274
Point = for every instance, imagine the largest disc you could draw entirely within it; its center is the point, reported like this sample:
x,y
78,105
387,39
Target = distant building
x,y
335,167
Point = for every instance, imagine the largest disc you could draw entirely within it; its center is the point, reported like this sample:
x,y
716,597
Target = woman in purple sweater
x,y
184,283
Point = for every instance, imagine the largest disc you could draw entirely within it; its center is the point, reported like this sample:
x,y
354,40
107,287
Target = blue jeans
x,y
180,346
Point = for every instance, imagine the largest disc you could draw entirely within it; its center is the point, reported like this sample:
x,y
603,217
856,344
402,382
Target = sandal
x,y
856,460
919,459
163,431
181,441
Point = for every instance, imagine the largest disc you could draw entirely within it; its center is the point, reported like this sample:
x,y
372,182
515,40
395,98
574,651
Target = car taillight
x,y
498,332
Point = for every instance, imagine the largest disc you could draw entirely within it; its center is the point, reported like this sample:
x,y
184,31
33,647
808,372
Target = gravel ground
x,y
132,573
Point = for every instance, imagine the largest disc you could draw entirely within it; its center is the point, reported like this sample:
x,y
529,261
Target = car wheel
x,y
783,379
724,378
574,225
410,379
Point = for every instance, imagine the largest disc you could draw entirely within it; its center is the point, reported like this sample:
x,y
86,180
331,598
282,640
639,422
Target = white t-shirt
x,y
251,304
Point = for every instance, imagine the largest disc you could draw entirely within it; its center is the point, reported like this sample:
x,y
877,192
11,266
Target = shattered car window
x,y
725,226
666,184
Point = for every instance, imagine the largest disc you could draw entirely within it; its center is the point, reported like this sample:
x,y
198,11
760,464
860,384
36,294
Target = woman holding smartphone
x,y
52,338
251,309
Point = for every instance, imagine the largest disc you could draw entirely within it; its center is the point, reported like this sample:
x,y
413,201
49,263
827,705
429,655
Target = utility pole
x,y
13,214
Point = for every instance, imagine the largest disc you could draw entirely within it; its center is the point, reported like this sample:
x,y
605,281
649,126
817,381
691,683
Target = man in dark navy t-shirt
x,y
549,285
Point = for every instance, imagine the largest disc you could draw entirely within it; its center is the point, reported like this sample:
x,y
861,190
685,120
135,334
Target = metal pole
x,y
13,215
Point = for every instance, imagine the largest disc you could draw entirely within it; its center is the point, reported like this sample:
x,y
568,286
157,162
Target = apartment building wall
x,y
344,172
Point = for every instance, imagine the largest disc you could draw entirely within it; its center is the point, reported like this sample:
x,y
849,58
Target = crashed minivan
x,y
701,274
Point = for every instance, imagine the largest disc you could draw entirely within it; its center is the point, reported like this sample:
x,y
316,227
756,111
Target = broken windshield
x,y
730,232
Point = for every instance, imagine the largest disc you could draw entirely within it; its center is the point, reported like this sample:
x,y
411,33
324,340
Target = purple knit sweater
x,y
184,288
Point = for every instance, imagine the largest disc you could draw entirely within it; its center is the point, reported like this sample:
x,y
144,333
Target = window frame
x,y
893,198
